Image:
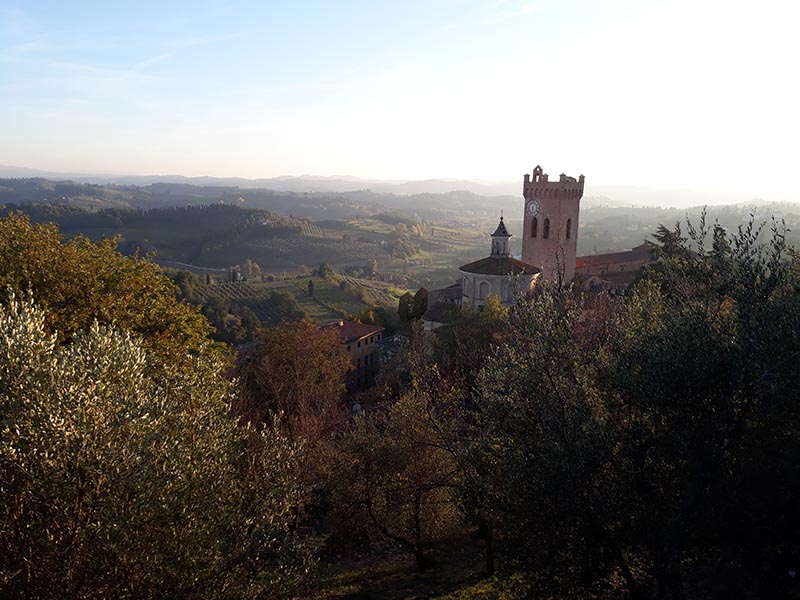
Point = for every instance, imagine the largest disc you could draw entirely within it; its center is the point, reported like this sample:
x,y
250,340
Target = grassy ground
x,y
330,294
393,575
299,289
314,310
329,301
372,225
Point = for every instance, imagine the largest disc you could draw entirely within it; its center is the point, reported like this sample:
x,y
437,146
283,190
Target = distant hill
x,y
214,226
298,184
315,205
607,195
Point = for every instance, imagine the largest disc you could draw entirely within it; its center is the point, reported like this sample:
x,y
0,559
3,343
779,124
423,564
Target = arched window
x,y
546,229
569,228
483,290
534,226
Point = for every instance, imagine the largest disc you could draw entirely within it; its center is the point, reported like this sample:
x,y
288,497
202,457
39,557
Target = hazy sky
x,y
695,93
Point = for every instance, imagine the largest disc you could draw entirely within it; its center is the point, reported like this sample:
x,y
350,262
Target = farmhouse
x,y
361,342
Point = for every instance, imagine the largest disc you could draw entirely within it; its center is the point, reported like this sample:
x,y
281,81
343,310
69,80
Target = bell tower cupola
x,y
500,241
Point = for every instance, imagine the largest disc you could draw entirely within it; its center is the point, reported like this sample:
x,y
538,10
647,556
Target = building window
x,y
484,290
534,226
358,344
546,229
569,228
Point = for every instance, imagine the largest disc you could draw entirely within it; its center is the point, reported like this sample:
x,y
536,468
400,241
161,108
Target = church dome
x,y
503,267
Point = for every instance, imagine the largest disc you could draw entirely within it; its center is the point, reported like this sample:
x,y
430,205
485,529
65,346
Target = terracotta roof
x,y
623,279
499,265
453,292
641,252
349,331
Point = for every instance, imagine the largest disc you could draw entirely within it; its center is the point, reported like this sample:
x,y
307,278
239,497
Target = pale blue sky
x,y
699,93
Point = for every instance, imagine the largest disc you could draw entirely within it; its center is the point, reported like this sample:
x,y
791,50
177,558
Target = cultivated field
x,y
330,301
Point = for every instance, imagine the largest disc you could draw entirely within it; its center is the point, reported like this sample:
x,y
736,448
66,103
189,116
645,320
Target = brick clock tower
x,y
550,230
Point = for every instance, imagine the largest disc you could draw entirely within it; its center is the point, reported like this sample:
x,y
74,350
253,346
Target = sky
x,y
697,94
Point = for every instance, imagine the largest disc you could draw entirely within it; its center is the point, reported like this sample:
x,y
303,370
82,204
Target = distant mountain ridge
x,y
609,195
316,205
283,183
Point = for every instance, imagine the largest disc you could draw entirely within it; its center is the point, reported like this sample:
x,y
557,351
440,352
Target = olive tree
x,y
119,480
80,281
395,474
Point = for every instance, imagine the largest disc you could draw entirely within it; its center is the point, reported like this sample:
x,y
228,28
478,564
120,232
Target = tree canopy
x,y
633,439
79,281
118,482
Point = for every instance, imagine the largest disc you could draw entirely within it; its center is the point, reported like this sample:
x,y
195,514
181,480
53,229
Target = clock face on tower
x,y
532,208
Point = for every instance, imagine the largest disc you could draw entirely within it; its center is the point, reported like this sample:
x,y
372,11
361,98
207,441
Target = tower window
x,y
546,229
569,228
534,226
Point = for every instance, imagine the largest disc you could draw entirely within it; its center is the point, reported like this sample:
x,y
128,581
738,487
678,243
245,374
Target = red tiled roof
x,y
623,279
451,292
641,252
349,331
496,265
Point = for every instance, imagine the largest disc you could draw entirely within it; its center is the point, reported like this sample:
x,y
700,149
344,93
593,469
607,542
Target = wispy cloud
x,y
100,80
204,41
152,61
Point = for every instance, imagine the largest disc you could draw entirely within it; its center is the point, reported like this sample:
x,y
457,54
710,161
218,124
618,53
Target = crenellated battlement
x,y
538,185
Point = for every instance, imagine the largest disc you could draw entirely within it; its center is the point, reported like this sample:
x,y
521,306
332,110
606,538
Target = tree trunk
x,y
668,575
485,533
634,589
675,581
423,562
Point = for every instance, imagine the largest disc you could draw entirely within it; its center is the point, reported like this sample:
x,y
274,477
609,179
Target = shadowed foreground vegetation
x,y
639,446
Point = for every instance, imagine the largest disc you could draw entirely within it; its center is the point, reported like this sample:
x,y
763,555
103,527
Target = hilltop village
x,y
551,211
